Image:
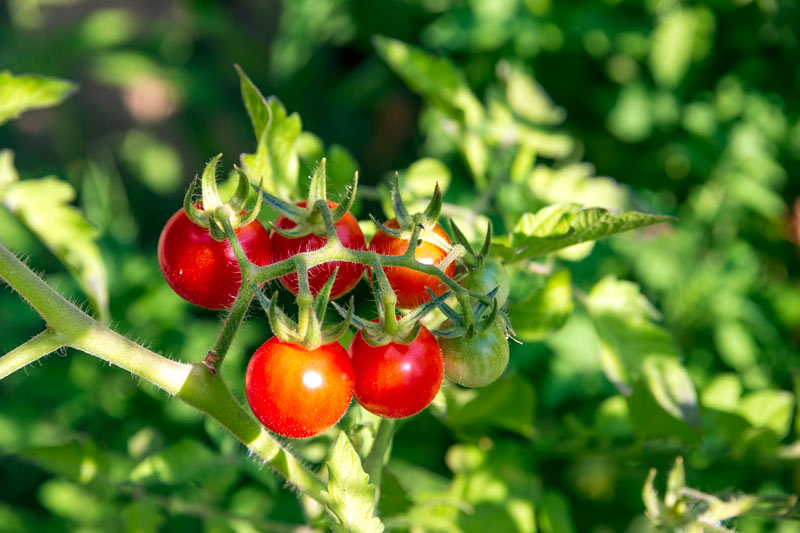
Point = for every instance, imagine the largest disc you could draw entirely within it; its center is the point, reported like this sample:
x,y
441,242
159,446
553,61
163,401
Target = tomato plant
x,y
397,380
478,360
348,275
202,270
296,392
410,285
490,275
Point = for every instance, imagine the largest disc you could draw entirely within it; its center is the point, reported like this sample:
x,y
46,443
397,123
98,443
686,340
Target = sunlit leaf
x,y
673,39
21,93
771,409
631,118
305,25
184,460
545,311
350,496
436,78
672,387
559,226
528,99
74,461
576,183
44,206
633,347
722,393
71,501
275,160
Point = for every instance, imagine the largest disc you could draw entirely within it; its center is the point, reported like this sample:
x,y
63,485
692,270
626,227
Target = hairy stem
x,y
213,397
231,324
373,464
191,383
42,344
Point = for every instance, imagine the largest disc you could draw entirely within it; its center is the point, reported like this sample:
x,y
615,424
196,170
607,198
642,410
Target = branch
x,y
42,344
191,383
373,464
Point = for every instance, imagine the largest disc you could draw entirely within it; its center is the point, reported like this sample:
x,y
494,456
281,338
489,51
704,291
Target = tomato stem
x,y
304,297
378,454
231,324
42,344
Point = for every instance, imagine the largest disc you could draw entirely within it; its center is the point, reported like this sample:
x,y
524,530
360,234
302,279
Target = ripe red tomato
x,y
204,271
409,285
397,380
348,275
299,393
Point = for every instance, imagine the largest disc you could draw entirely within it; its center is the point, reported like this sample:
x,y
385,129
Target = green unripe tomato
x,y
477,361
491,274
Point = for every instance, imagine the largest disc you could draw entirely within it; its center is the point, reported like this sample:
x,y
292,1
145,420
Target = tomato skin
x,y
409,285
397,380
204,271
491,274
349,274
477,361
299,393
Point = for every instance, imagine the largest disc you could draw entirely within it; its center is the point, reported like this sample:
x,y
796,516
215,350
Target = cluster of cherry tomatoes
x,y
299,392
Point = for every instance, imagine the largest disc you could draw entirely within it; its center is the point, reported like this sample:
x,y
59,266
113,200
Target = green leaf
x,y
631,118
508,403
72,502
21,93
153,160
257,106
633,347
672,387
576,183
74,461
276,158
673,39
770,409
555,515
180,462
394,498
350,496
722,393
436,78
559,226
142,516
43,205
528,99
545,311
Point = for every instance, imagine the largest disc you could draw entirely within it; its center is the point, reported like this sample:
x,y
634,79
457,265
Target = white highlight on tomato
x,y
312,379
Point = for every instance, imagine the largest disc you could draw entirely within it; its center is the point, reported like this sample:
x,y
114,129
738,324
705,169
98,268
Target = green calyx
x,y
472,259
407,222
317,216
479,270
484,317
390,327
238,211
308,331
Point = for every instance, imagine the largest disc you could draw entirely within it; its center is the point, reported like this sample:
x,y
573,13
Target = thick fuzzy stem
x,y
69,326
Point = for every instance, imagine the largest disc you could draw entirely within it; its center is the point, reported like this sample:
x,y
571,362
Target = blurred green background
x,y
690,107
